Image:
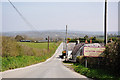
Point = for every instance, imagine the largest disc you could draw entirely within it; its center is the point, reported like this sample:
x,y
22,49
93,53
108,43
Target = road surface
x,y
52,68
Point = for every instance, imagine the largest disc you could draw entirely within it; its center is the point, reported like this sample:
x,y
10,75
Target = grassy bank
x,y
21,54
96,74
92,72
20,61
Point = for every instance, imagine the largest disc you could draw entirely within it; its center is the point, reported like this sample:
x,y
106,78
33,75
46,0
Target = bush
x,y
113,38
10,47
94,40
112,55
18,38
92,73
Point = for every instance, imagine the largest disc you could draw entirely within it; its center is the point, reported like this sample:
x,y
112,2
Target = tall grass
x,y
20,61
0,45
0,52
20,54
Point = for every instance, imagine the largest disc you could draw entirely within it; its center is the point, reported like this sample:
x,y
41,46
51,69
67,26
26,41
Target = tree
x,y
46,38
86,37
91,38
94,38
18,38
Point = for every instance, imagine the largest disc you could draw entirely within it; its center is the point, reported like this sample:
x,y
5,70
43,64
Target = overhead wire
x,y
24,19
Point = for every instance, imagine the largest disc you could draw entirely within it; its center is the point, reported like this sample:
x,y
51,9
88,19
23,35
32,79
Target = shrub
x,y
112,55
18,38
10,47
94,40
92,73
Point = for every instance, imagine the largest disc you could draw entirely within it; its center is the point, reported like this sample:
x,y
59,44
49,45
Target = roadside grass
x,y
93,73
0,45
21,54
96,74
0,52
0,63
20,61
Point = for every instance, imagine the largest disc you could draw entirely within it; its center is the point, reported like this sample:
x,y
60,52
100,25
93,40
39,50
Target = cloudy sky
x,y
79,16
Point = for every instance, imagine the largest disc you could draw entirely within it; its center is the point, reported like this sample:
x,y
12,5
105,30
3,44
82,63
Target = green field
x,y
21,54
38,45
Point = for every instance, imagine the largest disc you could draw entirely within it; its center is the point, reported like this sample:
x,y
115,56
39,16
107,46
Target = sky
x,y
79,16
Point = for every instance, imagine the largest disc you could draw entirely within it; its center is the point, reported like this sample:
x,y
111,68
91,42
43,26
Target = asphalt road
x,y
52,68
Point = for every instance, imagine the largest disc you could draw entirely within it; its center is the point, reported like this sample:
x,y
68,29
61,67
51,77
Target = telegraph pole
x,y
48,43
66,44
105,23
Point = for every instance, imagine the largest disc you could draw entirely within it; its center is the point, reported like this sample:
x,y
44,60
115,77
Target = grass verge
x,y
20,61
96,74
28,54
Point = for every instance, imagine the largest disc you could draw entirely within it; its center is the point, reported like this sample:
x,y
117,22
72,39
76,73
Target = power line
x,y
24,19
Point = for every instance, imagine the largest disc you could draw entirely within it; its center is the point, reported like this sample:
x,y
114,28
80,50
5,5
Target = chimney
x,y
91,41
78,41
86,41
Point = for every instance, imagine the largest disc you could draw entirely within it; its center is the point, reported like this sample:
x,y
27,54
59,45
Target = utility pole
x,y
105,23
48,43
66,44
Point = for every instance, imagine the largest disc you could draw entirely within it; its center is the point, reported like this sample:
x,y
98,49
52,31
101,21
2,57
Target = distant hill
x,y
54,34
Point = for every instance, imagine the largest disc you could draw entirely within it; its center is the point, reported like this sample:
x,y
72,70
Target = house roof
x,y
76,48
93,44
